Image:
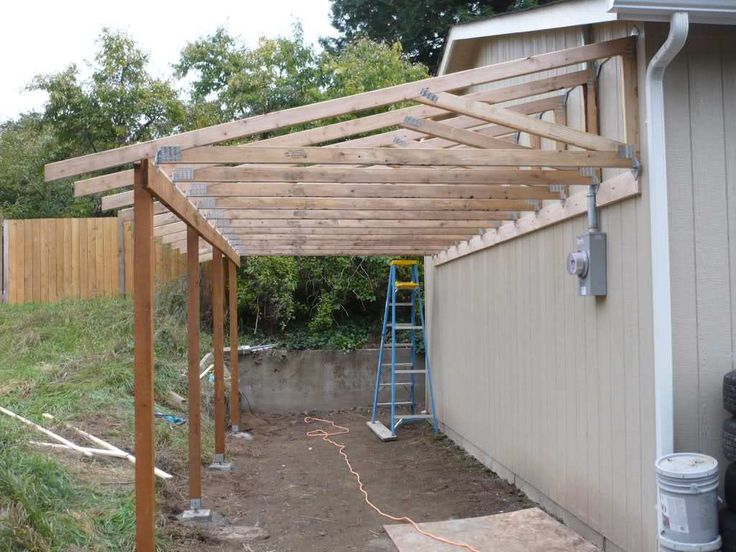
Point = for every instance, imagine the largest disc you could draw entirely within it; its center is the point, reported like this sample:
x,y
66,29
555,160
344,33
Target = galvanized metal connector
x,y
412,121
197,190
206,203
431,96
182,174
168,154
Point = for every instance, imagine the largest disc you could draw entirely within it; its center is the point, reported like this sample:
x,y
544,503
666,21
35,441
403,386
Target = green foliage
x,y
419,25
231,81
365,65
74,359
120,104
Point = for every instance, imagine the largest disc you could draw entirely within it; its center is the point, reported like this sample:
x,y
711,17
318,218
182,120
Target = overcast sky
x,y
45,36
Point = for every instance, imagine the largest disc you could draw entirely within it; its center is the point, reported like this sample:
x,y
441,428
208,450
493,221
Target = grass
x,y
74,359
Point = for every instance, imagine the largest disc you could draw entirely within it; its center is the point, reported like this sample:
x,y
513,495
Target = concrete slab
x,y
381,431
529,530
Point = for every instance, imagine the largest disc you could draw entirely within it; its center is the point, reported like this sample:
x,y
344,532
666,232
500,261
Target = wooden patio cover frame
x,y
454,170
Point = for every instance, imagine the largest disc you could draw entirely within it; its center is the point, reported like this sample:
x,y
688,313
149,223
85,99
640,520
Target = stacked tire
x,y
728,514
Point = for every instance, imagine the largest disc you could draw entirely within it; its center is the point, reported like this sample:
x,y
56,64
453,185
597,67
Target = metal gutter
x,y
713,12
660,239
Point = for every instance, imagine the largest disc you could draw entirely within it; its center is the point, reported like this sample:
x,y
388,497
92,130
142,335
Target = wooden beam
x,y
398,204
404,175
96,184
458,135
357,214
310,190
507,117
419,157
193,358
145,491
369,123
234,369
160,186
367,223
218,347
631,97
333,108
327,233
378,191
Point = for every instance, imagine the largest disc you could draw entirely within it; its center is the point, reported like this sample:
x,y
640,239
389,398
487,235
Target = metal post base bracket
x,y
219,464
196,515
381,431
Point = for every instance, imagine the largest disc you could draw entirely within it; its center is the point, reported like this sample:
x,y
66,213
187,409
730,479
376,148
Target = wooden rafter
x,y
160,186
509,118
337,107
418,157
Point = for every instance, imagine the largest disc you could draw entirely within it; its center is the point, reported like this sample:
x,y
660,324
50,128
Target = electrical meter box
x,y
588,263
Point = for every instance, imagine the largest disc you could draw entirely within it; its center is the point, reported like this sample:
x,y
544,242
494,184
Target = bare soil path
x,y
299,491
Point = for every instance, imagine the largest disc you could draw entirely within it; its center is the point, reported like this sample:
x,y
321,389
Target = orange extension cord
x,y
341,430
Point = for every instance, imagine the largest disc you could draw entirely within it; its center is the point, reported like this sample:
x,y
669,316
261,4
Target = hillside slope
x,y
74,359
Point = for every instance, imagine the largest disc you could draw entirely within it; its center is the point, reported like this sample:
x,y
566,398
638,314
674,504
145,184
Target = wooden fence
x,y
44,260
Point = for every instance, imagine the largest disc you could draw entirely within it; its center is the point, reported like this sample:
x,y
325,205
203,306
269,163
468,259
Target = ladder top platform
x,y
402,262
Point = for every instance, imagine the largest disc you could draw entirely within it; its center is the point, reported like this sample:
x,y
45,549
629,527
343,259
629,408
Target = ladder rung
x,y
405,326
397,383
415,417
397,364
410,371
398,345
400,304
402,403
406,285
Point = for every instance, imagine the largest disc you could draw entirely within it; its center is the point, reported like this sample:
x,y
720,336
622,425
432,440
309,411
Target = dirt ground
x,y
298,492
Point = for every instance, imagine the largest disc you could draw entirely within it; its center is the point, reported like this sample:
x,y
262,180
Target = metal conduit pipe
x,y
659,221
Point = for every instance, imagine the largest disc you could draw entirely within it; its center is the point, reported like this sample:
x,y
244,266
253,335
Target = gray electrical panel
x,y
588,263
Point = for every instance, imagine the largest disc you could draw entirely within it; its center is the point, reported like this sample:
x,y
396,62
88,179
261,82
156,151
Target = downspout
x,y
659,222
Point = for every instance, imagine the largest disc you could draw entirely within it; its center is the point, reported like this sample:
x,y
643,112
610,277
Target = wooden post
x,y
232,274
4,254
121,256
218,344
631,97
145,493
195,436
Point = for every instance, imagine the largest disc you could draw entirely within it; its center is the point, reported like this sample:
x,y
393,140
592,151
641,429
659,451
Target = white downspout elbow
x,y
659,221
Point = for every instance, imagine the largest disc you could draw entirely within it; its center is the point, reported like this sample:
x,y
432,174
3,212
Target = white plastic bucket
x,y
687,488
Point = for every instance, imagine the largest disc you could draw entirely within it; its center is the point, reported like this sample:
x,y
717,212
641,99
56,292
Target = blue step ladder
x,y
401,379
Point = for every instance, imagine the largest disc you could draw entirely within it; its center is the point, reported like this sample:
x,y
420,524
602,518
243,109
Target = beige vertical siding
x,y
554,391
700,104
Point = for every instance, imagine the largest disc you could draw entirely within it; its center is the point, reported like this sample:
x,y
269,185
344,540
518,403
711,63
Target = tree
x,y
232,82
120,104
420,26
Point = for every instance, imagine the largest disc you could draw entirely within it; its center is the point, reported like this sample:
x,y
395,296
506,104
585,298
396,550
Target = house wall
x,y
552,390
700,111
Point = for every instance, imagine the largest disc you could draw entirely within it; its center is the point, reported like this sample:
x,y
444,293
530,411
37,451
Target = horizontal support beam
x,y
104,183
340,106
243,190
390,156
610,191
162,188
388,175
378,204
357,214
353,223
363,235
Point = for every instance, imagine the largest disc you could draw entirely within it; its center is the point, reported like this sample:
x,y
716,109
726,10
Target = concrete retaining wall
x,y
282,381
